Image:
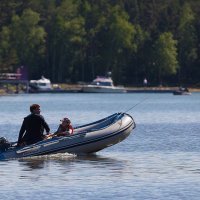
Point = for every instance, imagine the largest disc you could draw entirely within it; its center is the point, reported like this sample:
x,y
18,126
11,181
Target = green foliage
x,y
8,56
23,40
66,41
166,55
121,29
27,36
76,40
188,49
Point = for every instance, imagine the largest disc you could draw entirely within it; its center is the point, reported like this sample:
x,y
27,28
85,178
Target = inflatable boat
x,y
86,139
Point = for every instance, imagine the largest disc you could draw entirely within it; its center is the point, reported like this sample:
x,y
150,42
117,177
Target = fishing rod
x,y
136,105
86,116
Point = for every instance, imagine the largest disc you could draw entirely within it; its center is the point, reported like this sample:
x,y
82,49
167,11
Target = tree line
x,y
76,40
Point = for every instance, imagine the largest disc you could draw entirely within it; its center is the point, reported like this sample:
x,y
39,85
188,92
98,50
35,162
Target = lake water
x,y
159,160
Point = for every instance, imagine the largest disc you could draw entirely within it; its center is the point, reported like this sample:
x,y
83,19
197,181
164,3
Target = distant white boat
x,y
102,85
40,85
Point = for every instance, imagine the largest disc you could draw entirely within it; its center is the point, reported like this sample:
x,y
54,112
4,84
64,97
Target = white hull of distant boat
x,y
102,85
102,89
88,138
41,85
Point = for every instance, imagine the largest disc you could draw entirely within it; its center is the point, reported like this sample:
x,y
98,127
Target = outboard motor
x,y
4,144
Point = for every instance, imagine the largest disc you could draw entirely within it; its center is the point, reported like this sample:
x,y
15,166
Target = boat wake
x,y
56,156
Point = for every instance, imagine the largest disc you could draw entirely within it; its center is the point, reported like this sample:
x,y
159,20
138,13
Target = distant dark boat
x,y
182,91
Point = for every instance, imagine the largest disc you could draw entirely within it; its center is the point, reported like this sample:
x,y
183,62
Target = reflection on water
x,y
144,165
141,173
33,164
63,159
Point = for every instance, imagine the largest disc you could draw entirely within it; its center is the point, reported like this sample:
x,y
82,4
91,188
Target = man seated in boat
x,y
33,127
64,129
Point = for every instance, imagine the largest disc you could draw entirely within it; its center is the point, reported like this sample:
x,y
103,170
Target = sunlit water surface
x,y
159,160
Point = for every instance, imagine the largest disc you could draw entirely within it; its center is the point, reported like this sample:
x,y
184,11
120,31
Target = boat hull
x,y
181,93
103,89
88,138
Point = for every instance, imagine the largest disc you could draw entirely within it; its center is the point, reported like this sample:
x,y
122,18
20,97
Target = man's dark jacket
x,y
32,129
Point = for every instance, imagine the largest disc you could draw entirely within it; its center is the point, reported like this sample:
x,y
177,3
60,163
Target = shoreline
x,y
76,88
